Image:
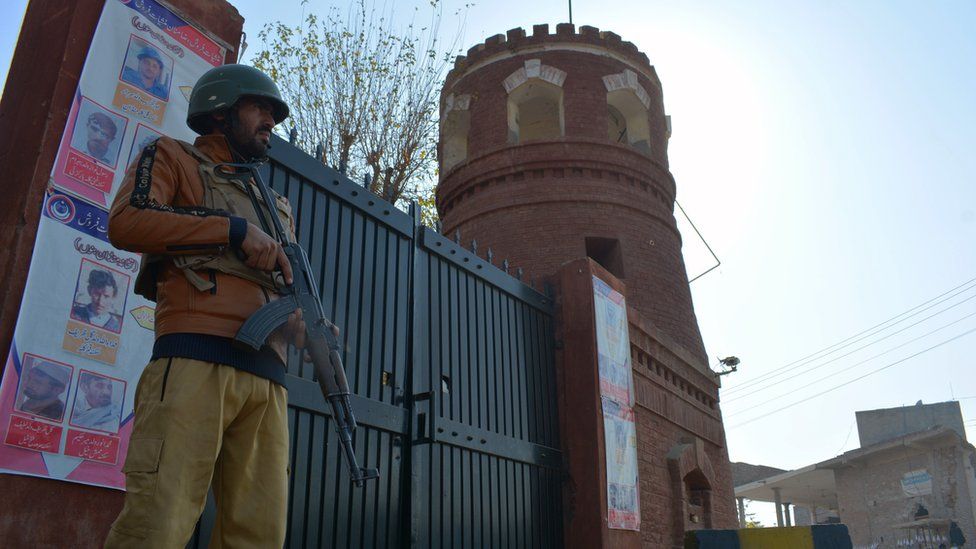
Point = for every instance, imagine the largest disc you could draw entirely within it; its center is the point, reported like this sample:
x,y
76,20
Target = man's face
x,y
149,71
251,134
101,299
41,386
98,392
99,137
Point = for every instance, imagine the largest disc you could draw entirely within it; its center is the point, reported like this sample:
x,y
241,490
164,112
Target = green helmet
x,y
221,87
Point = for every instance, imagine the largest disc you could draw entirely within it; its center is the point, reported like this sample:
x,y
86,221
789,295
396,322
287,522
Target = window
x,y
454,139
455,123
627,120
698,501
535,102
627,108
535,111
606,252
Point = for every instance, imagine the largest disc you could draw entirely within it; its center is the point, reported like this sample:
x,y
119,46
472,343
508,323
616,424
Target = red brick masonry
x,y
535,203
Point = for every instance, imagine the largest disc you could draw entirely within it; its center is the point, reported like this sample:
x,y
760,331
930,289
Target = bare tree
x,y
363,94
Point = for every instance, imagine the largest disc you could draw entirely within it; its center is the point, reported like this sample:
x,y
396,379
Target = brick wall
x,y
535,203
871,500
679,425
676,402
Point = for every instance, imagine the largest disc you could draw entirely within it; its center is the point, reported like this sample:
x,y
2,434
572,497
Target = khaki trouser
x,y
196,423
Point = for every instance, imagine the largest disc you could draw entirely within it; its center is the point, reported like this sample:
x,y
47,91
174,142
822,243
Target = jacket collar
x,y
215,146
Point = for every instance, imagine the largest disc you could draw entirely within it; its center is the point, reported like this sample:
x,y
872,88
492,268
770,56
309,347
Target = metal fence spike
x,y
319,152
474,247
505,266
342,166
457,236
548,290
518,273
490,255
293,135
367,179
439,227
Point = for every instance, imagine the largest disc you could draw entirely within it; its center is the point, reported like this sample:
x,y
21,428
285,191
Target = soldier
x,y
205,409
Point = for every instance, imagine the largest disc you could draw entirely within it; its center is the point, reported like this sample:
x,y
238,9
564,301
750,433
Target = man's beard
x,y
248,146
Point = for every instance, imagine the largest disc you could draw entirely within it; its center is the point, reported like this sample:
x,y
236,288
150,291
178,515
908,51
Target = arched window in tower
x,y
627,111
698,501
627,120
535,102
455,123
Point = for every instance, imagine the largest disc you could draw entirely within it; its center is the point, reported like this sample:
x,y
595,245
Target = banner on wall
x,y
617,396
82,336
916,483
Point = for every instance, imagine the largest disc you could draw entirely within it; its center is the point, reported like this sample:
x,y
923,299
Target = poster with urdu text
x,y
82,336
616,394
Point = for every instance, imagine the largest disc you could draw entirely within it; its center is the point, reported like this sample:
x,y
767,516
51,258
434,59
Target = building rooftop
x,y
815,484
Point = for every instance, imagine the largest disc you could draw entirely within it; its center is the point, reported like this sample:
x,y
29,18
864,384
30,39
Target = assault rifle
x,y
321,342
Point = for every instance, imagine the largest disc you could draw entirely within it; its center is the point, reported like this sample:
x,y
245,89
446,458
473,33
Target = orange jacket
x,y
158,211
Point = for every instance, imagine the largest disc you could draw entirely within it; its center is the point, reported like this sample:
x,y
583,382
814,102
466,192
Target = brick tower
x,y
554,147
553,150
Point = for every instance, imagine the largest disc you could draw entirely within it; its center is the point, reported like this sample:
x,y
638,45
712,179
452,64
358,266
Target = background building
x,y
912,479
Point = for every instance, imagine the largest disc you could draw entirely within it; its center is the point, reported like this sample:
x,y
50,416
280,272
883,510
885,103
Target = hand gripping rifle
x,y
320,341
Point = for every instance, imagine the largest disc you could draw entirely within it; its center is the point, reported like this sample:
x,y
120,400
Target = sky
x,y
821,149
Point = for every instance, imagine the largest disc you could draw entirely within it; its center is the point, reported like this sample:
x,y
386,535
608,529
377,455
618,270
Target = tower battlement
x,y
563,136
566,34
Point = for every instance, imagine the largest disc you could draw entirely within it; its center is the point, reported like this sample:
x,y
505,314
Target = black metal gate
x,y
451,361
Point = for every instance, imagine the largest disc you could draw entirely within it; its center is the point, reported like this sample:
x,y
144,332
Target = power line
x,y
767,386
767,401
854,338
848,341
848,437
885,367
718,262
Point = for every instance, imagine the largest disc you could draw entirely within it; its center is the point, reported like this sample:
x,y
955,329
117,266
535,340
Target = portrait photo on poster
x,y
100,295
43,387
97,133
147,68
97,402
144,136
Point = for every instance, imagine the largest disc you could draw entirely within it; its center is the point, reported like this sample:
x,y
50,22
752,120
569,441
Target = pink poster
x,y
82,336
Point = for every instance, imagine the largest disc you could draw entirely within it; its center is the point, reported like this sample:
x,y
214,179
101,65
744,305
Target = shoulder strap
x,y
194,152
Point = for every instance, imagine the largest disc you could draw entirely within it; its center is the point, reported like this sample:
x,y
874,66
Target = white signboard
x,y
916,483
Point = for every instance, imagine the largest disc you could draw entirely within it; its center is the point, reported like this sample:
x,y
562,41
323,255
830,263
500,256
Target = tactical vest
x,y
221,194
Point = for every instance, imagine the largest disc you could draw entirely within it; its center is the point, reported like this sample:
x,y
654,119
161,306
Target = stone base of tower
x,y
685,480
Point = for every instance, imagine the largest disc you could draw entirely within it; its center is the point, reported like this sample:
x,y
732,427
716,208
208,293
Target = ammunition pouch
x,y
227,195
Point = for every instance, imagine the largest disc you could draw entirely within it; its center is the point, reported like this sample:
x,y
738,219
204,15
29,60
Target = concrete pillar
x,y
741,505
802,515
786,514
778,500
